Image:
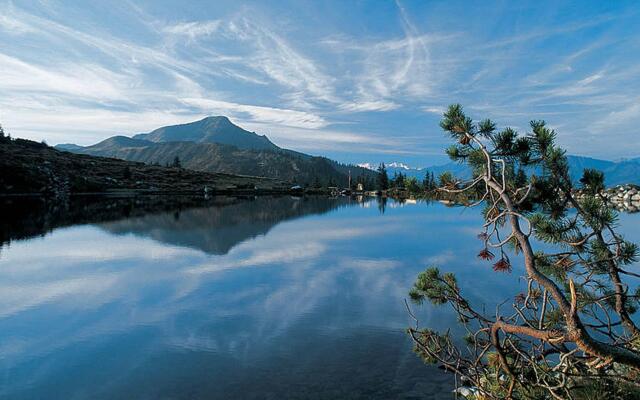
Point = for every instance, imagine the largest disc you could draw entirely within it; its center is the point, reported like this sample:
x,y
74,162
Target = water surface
x,y
266,298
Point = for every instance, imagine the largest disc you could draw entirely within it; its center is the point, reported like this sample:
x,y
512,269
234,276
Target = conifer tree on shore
x,y
383,177
570,334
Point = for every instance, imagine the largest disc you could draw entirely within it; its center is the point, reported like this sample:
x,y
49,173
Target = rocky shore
x,y
624,197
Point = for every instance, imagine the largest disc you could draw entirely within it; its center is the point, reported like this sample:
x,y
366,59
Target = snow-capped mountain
x,y
397,167
392,165
367,165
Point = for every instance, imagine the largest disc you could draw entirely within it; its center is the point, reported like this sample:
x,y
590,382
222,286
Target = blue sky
x,y
357,81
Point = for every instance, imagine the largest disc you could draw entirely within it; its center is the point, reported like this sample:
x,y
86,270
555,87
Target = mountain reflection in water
x,y
214,225
216,230
262,298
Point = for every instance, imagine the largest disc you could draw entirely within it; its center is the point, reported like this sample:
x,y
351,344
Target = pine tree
x,y
571,334
428,183
383,177
446,180
400,182
368,183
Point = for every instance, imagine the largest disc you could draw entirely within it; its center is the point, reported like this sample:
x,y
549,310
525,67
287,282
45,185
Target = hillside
x,y
215,144
224,159
34,168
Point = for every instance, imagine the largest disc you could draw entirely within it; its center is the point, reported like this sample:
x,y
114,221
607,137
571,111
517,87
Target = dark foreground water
x,y
267,298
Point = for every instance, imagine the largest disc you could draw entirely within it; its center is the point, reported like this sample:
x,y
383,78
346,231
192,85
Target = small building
x,y
360,187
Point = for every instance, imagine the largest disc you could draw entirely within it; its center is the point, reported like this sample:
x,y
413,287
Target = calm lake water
x,y
267,298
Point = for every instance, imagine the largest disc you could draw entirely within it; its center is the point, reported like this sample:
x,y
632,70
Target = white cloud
x,y
439,259
60,123
370,263
232,63
79,80
626,117
325,139
377,105
270,115
433,110
582,87
275,57
391,69
193,29
112,95
14,26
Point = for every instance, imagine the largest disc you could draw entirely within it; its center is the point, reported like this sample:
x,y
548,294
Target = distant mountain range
x,y
616,173
215,144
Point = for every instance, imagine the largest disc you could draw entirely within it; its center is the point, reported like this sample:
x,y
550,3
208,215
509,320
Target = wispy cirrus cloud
x,y
272,115
13,26
84,81
125,73
373,105
433,109
193,29
360,83
273,56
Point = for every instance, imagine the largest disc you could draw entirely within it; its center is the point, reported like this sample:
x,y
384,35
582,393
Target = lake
x,y
259,298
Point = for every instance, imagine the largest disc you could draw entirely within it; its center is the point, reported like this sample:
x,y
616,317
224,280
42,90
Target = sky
x,y
358,81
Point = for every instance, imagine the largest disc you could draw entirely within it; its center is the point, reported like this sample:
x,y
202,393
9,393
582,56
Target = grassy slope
x,y
30,167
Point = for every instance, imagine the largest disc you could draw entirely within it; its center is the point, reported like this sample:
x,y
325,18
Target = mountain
x,y
221,158
215,144
616,173
623,172
209,130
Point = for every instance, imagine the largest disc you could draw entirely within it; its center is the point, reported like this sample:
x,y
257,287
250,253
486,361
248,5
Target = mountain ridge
x,y
212,129
215,144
